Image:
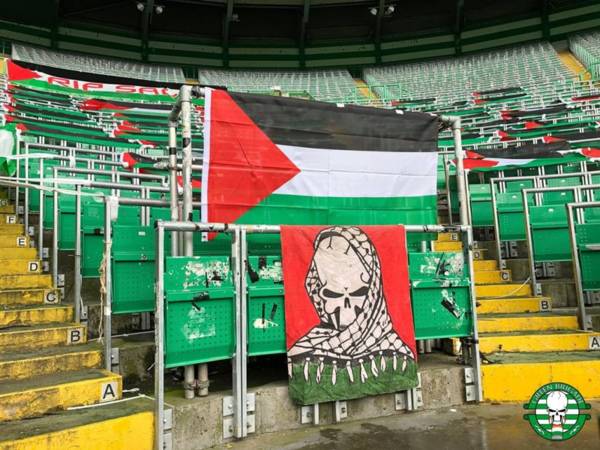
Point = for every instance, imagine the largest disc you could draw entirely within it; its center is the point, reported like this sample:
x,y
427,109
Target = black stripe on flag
x,y
526,151
320,125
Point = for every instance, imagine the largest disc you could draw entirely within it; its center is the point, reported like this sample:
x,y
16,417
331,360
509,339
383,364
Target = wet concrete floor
x,y
485,427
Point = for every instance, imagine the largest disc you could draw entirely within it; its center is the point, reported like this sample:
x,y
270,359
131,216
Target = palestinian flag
x,y
277,160
348,318
524,156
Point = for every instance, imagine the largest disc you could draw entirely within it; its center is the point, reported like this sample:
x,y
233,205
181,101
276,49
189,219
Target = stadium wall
x,y
192,53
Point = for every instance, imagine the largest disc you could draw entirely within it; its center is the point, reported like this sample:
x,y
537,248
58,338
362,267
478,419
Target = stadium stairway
x,y
365,90
525,344
574,65
47,367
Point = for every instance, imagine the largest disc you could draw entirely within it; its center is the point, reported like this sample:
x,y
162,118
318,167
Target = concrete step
x,y
20,399
448,237
14,241
21,297
514,305
41,336
36,281
514,377
539,341
18,364
6,218
17,253
5,208
479,254
120,426
12,228
485,264
17,266
499,323
503,290
42,314
446,246
492,276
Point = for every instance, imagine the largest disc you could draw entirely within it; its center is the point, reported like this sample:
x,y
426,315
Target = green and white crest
x,y
557,411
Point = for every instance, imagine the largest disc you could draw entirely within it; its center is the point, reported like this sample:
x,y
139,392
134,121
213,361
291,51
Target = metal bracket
x,y
20,209
228,419
341,410
31,231
115,358
537,289
45,253
409,400
470,387
45,266
60,281
84,313
168,426
310,414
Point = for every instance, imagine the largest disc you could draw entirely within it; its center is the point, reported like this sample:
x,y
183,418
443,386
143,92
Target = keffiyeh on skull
x,y
344,283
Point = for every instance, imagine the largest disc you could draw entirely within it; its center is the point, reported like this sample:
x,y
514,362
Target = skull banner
x,y
349,324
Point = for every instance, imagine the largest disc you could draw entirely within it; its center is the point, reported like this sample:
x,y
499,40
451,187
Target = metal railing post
x,y
529,237
41,212
460,170
77,262
476,362
55,230
581,312
107,310
159,363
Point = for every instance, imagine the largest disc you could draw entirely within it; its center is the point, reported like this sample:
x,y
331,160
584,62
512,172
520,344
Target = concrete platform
x,y
199,422
491,427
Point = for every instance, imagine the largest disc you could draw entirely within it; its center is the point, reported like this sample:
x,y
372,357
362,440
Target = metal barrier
x,y
576,219
538,193
239,255
535,181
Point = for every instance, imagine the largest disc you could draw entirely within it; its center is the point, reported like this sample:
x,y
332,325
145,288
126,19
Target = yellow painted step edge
x,y
46,365
32,402
114,434
32,338
517,382
537,323
514,305
549,342
31,316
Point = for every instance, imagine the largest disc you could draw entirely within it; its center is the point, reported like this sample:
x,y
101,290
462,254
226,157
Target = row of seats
x,y
326,85
457,78
586,46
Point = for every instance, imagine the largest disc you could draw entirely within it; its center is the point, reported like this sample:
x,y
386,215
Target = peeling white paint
x,y
196,326
272,272
264,323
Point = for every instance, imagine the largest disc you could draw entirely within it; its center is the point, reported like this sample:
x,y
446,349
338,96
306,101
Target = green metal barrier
x,y
266,311
550,233
511,216
92,233
440,292
588,240
199,298
133,268
481,205
199,310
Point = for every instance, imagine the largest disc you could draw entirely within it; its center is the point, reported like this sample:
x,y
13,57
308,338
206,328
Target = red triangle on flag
x,y
18,73
244,166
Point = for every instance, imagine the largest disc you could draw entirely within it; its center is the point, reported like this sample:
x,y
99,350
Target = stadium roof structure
x,y
296,26
291,21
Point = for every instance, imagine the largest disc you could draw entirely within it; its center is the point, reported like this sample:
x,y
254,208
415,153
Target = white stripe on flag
x,y
357,173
